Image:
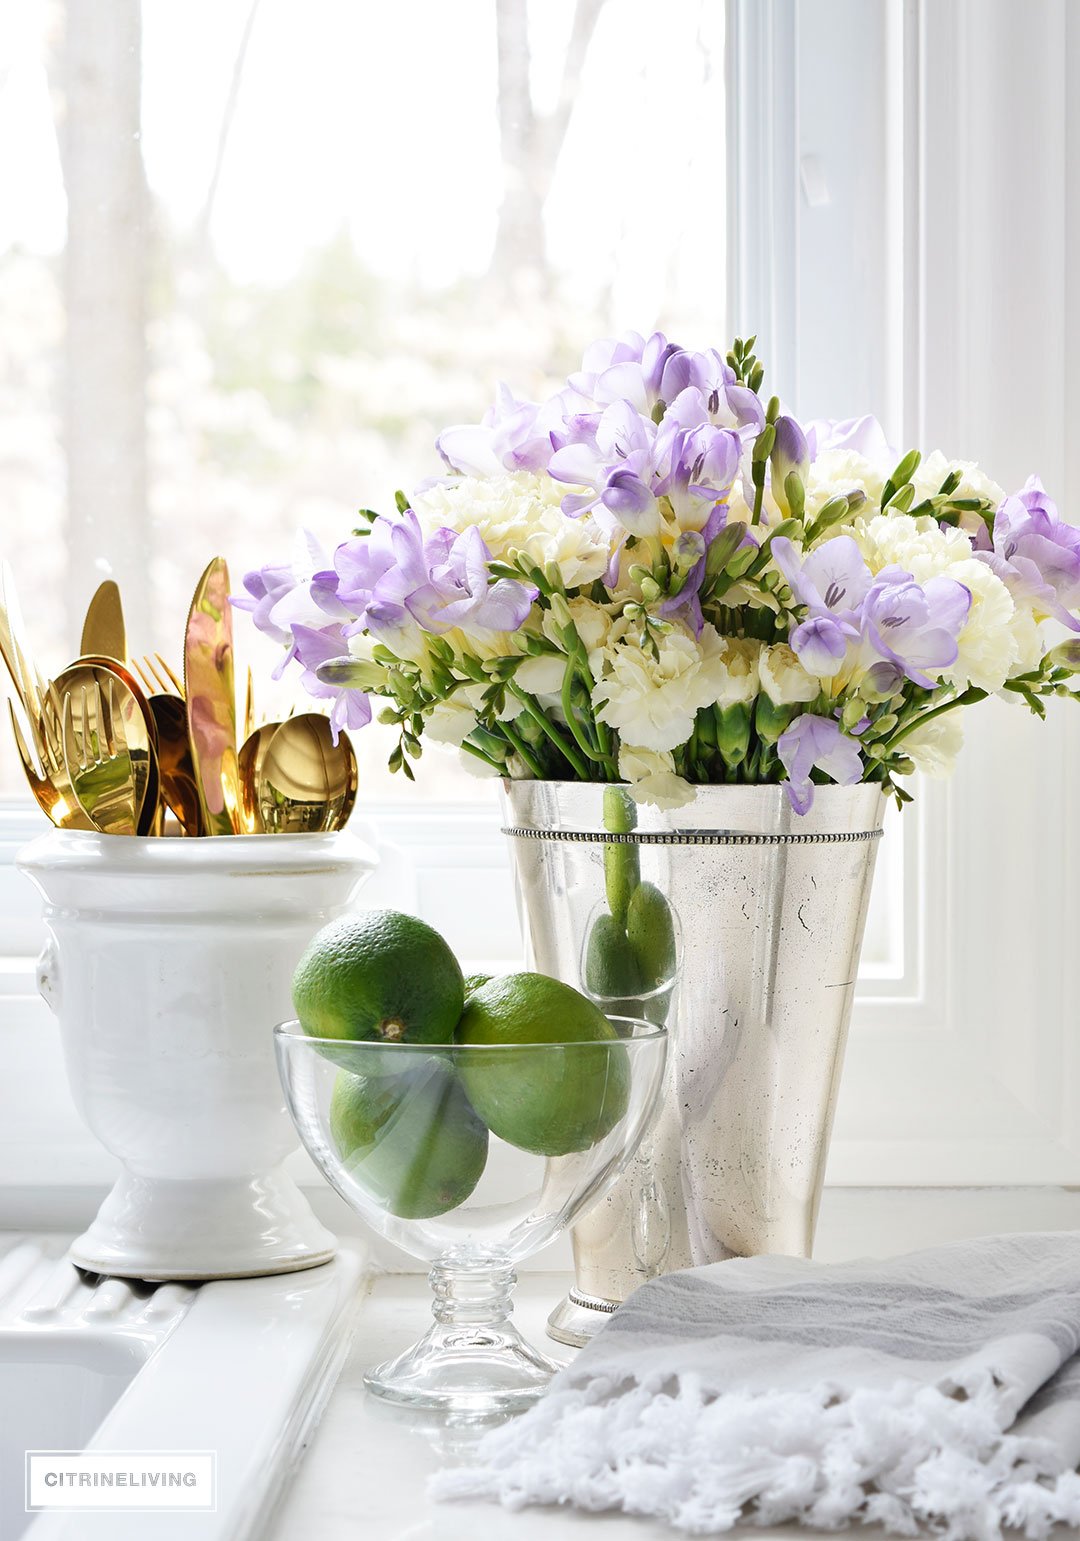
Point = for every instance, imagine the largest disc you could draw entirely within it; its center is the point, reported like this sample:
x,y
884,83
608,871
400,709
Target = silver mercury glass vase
x,y
738,924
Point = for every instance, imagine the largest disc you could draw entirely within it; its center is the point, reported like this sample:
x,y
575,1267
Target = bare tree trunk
x,y
105,282
531,144
202,229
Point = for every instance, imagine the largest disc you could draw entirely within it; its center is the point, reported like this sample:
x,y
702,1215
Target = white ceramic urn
x,y
167,964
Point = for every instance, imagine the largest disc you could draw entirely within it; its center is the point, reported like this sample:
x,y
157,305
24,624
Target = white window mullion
x,y
925,274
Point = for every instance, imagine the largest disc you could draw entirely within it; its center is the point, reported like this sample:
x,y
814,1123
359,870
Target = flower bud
x,y
771,720
789,458
561,610
853,713
733,732
1065,656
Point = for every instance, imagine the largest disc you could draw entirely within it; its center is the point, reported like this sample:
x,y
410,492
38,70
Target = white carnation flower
x,y
652,778
652,699
518,513
836,471
541,676
451,721
989,645
922,547
736,670
592,621
783,678
934,747
973,483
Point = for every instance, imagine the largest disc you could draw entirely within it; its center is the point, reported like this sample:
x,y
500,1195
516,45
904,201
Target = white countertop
x,y
364,1475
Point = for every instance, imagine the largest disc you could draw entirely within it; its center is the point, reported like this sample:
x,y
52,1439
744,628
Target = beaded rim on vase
x,y
685,837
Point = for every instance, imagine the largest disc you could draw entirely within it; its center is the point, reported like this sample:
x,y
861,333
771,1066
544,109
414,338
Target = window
x,y
253,256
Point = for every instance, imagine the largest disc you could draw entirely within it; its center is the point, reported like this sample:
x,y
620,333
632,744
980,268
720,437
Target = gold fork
x,y
50,785
99,762
157,677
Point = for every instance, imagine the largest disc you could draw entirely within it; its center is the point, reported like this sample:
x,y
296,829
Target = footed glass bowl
x,y
471,1157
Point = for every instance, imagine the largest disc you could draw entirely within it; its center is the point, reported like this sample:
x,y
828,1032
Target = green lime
x,y
612,970
560,1080
650,929
475,982
411,1140
381,976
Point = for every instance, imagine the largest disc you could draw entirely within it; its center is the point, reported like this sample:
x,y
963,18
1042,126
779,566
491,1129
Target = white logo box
x,y
121,1479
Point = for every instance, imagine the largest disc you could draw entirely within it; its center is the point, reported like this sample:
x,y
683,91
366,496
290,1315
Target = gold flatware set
x,y
124,746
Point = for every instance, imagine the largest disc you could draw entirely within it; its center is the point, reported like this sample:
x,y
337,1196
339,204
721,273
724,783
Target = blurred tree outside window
x,y
253,255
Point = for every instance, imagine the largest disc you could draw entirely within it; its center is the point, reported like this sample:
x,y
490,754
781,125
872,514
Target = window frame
x,y
962,1070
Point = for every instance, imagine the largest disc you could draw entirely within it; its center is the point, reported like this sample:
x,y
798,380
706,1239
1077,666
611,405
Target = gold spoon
x,y
306,783
164,699
179,791
90,681
250,766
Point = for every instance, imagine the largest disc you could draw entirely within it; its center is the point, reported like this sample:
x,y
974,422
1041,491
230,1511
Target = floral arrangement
x,y
659,578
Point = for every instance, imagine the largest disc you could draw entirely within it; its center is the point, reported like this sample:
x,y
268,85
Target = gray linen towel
x,y
937,1389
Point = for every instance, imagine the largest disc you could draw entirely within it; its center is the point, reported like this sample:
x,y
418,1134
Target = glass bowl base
x,y
466,1369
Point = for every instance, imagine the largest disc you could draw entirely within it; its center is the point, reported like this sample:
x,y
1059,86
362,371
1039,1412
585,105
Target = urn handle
x,y
48,975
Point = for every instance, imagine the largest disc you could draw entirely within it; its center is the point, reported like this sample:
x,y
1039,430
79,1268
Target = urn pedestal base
x,y
155,1229
168,964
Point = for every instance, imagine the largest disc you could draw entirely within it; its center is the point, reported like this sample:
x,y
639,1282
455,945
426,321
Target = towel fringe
x,y
905,1458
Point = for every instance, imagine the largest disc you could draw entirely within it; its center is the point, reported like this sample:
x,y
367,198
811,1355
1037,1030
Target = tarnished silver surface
x,y
769,910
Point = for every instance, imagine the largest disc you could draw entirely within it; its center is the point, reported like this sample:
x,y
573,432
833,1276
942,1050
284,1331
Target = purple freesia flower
x,y
628,368
647,372
821,644
696,467
914,626
513,435
301,592
816,743
265,587
724,402
312,647
906,627
831,581
864,435
1036,554
395,576
627,463
614,461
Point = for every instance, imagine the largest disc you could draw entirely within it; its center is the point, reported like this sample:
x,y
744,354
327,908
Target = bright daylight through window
x,y
297,282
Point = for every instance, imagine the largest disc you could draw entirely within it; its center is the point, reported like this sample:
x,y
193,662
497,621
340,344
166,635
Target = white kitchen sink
x,y
241,1368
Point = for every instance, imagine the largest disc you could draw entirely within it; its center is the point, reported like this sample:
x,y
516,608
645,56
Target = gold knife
x,y
104,633
210,698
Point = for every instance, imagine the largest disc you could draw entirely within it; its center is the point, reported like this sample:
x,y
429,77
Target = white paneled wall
x,y
915,167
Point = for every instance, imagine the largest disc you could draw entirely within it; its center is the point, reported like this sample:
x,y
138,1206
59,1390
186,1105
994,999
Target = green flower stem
x,y
604,740
521,748
479,754
566,749
575,727
968,698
